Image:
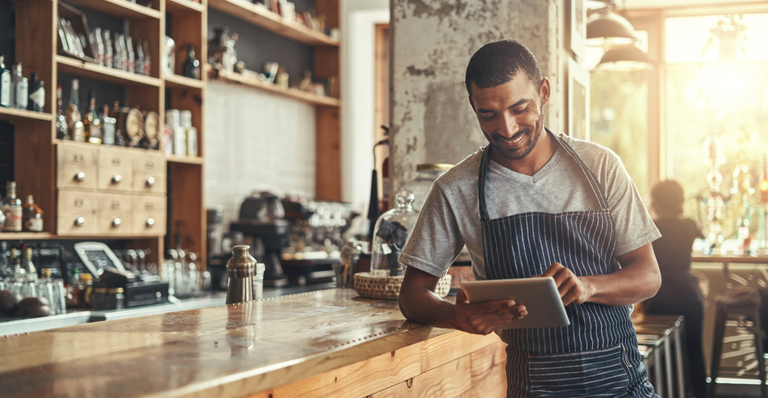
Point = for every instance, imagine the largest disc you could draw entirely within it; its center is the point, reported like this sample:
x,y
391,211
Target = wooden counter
x,y
319,344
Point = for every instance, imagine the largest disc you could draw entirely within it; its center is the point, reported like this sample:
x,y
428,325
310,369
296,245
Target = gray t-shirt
x,y
450,217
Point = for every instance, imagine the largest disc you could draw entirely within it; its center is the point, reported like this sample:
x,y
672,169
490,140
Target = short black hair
x,y
498,62
668,195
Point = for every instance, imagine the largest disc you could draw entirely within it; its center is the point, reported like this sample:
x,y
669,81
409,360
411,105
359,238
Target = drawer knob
x,y
150,222
116,179
79,222
150,181
80,176
116,222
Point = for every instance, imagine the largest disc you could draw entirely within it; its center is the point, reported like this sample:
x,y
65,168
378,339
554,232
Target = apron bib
x,y
596,355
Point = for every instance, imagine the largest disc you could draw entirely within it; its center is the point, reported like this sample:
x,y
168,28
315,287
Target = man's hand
x,y
572,288
484,318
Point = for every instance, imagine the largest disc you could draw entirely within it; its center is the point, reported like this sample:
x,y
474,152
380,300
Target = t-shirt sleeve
x,y
435,240
632,222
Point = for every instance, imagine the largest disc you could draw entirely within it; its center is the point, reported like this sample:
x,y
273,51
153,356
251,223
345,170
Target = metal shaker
x,y
241,269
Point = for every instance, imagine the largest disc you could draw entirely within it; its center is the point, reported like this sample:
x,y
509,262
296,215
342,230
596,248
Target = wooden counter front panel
x,y
77,166
149,215
115,170
149,173
115,214
77,213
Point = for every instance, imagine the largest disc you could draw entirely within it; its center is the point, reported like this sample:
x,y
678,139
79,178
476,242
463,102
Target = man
x,y
532,203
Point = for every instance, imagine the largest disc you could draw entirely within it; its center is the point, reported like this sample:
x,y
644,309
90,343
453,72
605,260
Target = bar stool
x,y
739,302
672,327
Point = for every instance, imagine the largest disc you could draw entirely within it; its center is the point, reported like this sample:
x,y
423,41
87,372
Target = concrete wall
x,y
433,41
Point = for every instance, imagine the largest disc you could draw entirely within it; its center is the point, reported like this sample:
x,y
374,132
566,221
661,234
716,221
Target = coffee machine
x,y
261,219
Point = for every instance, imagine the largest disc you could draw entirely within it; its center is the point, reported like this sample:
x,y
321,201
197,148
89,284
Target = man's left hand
x,y
572,288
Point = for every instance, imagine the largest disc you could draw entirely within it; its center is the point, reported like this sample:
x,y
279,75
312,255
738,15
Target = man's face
x,y
510,115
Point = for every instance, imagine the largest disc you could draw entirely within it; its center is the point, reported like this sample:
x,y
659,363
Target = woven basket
x,y
388,287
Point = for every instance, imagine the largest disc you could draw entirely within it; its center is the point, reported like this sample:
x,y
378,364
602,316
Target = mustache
x,y
498,137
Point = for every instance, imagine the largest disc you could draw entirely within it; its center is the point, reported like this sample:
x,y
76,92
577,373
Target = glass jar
x,y
426,175
392,231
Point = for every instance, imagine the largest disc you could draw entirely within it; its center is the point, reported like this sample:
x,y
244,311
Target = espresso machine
x,y
261,220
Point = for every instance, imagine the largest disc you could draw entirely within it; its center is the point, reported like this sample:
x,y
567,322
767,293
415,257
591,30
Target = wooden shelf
x,y
13,114
184,159
25,235
176,81
120,8
51,236
183,6
315,99
103,73
259,15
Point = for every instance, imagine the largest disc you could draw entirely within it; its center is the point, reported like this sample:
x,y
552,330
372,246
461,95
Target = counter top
x,y
229,350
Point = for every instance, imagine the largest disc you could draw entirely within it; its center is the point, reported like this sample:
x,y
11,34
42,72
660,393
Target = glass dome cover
x,y
392,231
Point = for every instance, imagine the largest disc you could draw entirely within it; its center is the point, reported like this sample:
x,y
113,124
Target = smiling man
x,y
533,203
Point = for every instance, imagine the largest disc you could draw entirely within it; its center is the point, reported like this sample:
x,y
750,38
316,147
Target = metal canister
x,y
241,269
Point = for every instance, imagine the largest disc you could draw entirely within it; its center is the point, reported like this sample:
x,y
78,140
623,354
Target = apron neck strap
x,y
485,161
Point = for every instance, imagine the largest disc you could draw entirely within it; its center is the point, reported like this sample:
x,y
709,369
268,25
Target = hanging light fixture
x,y
606,28
626,57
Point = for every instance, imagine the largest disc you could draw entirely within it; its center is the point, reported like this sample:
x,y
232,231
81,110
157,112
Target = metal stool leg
x,y
717,348
760,351
681,380
668,364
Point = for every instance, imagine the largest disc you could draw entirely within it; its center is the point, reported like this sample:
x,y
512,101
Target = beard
x,y
533,134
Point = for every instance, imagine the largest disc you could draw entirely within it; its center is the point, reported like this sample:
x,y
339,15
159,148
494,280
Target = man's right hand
x,y
484,318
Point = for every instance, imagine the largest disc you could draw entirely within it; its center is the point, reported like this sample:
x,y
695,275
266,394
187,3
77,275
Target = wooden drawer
x,y
149,172
149,215
76,166
115,170
115,214
77,213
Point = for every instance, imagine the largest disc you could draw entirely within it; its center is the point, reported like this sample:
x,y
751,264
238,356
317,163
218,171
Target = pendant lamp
x,y
605,28
626,57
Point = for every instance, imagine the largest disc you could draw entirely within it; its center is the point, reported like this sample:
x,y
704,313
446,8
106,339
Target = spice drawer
x,y
77,213
115,214
115,170
149,173
77,166
149,215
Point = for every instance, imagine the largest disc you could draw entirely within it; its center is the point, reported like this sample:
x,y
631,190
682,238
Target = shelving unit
x,y
120,8
92,71
315,99
184,159
13,114
176,81
183,5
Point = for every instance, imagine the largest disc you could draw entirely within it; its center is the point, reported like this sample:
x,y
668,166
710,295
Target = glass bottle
x,y
117,56
84,290
139,58
123,52
6,268
147,59
5,84
12,209
131,57
191,66
92,122
33,216
61,117
45,289
99,42
74,120
29,266
107,127
108,53
20,88
36,100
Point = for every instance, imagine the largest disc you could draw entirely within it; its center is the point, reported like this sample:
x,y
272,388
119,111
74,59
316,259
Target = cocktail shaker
x,y
241,269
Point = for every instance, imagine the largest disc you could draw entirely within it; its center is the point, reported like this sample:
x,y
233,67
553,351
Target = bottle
x,y
12,209
28,266
108,54
99,42
85,291
36,100
131,58
189,132
764,181
147,60
45,287
107,127
139,58
20,88
33,216
91,121
5,84
120,42
119,136
191,66
6,269
61,117
18,272
117,55
74,120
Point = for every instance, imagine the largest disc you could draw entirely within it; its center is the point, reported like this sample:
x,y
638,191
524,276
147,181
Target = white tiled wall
x,y
255,140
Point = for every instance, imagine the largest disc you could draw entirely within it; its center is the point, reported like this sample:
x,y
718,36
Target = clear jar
x,y
392,231
426,175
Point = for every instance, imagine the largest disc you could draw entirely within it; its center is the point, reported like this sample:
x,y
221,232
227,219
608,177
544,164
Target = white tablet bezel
x,y
539,295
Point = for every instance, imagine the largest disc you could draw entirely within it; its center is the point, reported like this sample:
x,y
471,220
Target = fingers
x,y
461,297
487,322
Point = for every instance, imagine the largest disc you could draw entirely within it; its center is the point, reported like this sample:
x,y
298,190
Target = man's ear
x,y
545,91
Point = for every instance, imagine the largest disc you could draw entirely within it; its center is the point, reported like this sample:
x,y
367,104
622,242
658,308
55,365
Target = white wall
x,y
255,140
359,18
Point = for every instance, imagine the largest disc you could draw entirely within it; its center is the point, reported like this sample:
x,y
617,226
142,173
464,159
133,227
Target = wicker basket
x,y
388,287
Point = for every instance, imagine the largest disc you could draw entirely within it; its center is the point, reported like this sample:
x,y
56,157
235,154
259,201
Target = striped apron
x,y
596,355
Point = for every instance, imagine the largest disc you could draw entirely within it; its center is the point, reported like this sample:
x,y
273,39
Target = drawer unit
x,y
77,166
115,214
115,170
77,213
149,173
149,215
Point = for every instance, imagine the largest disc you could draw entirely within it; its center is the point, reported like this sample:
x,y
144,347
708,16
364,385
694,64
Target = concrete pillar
x,y
432,42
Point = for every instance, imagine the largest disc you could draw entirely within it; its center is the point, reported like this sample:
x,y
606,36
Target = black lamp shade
x,y
607,27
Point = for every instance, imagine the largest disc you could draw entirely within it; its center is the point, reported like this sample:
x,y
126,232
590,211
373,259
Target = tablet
x,y
539,295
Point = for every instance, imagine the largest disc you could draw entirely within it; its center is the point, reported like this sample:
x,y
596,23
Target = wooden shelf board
x,y
48,235
13,114
120,8
184,159
259,15
25,235
103,73
315,99
183,6
176,81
